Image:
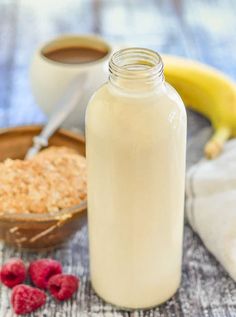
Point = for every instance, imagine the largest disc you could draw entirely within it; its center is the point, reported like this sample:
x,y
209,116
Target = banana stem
x,y
215,145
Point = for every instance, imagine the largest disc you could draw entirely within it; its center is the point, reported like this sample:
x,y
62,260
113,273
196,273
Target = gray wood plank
x,y
210,27
8,15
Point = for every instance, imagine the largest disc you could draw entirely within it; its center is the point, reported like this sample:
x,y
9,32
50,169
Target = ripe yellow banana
x,y
207,91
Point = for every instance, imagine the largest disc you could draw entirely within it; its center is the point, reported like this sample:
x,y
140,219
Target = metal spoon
x,y
60,112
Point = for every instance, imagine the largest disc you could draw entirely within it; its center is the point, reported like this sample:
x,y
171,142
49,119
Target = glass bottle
x,y
136,144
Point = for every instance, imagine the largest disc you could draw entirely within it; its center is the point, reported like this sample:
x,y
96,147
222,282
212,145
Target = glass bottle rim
x,y
136,63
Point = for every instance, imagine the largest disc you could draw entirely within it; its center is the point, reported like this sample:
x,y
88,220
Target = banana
x,y
207,91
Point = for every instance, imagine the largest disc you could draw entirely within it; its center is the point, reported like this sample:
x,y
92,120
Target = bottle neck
x,y
136,69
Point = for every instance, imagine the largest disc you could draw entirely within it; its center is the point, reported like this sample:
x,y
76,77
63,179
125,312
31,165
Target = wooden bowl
x,y
34,231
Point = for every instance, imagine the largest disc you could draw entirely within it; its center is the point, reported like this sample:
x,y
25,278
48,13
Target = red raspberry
x,y
40,271
13,272
63,286
26,299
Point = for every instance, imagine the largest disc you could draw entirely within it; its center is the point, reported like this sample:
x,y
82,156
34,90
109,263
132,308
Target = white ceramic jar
x,y
136,144
49,79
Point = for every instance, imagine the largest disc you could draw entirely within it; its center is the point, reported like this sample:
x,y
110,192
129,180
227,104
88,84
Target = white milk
x,y
136,140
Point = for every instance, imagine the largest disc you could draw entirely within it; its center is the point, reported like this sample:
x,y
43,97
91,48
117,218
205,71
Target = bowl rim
x,y
44,217
50,216
38,127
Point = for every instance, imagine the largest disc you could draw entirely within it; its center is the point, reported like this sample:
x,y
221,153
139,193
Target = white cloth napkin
x,y
211,205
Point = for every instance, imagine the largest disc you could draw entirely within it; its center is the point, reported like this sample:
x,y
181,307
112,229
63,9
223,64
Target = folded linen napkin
x,y
211,205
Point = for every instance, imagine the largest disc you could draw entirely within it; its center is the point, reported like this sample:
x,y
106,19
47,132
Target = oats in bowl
x,y
52,180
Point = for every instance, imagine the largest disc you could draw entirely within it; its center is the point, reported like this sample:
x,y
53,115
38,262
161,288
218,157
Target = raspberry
x,y
26,299
40,271
63,286
13,272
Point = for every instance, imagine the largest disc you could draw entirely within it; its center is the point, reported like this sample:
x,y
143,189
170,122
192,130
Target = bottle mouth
x,y
136,63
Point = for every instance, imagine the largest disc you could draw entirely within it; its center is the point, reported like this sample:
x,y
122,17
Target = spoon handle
x,y
60,112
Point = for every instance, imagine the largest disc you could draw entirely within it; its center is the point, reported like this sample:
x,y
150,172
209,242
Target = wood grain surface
x,y
200,29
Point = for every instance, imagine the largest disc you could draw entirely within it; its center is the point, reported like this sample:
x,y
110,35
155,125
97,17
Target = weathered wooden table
x,y
201,29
